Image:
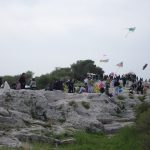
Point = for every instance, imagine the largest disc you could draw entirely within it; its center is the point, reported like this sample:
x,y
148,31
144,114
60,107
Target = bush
x,y
131,96
86,105
120,97
142,108
143,122
73,103
143,129
141,98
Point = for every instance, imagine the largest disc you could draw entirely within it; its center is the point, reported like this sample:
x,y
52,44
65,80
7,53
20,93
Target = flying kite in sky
x,y
120,64
131,29
145,66
104,59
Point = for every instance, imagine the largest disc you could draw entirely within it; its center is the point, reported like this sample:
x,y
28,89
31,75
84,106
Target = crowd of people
x,y
110,84
20,84
113,84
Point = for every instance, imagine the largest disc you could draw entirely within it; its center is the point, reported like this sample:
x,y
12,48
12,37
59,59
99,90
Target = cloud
x,y
59,32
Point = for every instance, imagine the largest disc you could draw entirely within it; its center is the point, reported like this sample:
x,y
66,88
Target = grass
x,y
86,105
131,96
73,104
126,139
142,108
120,97
141,98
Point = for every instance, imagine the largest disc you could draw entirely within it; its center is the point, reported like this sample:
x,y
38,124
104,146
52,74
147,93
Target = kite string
x,y
127,34
117,70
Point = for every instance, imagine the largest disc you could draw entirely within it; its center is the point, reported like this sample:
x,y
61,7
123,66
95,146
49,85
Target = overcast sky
x,y
40,35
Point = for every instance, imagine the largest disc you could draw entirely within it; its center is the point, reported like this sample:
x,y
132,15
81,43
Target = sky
x,y
40,35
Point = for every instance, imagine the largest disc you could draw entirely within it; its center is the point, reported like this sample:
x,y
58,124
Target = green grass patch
x,y
142,108
86,105
141,98
125,140
131,96
121,97
73,104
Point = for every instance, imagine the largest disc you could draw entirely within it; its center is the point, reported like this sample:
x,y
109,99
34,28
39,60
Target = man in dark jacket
x,y
22,80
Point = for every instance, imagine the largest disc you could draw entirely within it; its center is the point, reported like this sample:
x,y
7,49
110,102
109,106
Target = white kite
x,y
104,59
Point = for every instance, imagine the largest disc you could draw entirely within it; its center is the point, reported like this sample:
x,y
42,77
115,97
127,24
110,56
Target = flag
x,y
120,64
145,66
104,60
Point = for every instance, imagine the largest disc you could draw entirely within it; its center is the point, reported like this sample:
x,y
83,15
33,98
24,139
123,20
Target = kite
x,y
145,66
120,64
104,60
131,29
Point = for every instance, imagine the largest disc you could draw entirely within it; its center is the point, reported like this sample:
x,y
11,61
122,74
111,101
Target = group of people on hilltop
x,y
113,84
20,84
56,85
109,84
59,85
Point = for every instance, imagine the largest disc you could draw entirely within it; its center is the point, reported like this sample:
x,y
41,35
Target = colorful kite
x,y
120,64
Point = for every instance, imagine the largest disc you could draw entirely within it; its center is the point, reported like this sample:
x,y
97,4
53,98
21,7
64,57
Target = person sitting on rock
x,y
18,85
102,87
82,89
33,84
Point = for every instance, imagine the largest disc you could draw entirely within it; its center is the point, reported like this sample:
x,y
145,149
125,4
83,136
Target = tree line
x,y
77,71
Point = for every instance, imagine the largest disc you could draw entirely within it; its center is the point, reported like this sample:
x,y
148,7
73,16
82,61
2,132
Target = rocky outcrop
x,y
40,116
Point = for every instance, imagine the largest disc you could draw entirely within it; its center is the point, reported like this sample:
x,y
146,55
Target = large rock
x,y
10,142
4,112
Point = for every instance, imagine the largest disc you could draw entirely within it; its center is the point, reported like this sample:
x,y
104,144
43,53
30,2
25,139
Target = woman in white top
x,y
33,84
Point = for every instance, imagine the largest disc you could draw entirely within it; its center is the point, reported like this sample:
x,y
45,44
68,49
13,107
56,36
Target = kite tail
x,y
127,34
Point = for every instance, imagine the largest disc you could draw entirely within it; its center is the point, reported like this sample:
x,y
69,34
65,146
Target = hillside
x,y
43,116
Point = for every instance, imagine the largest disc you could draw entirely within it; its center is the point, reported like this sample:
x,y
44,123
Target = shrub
x,y
73,104
141,98
131,96
143,122
142,108
143,128
145,141
120,97
86,105
62,120
121,105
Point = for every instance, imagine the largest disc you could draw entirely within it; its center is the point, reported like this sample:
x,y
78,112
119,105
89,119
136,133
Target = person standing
x,y
22,80
90,85
1,82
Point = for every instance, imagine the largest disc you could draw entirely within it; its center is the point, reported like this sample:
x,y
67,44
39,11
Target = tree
x,y
29,76
43,81
10,79
82,67
61,73
48,79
